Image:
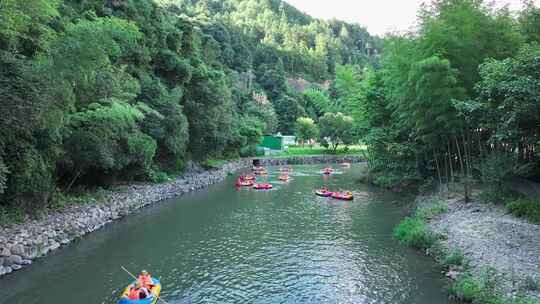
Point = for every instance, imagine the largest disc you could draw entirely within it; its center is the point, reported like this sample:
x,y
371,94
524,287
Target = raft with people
x,y
323,192
244,183
265,186
344,196
144,290
248,177
327,171
284,177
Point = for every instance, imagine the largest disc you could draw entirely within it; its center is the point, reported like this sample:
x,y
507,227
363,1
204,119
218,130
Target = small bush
x,y
526,208
466,288
479,291
413,232
455,258
157,176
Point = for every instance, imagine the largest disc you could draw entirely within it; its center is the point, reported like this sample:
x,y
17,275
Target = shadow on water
x,y
228,245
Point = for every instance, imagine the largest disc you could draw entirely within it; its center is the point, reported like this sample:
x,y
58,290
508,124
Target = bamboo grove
x,y
457,99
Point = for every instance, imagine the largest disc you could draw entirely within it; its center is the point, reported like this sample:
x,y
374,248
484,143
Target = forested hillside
x,y
103,90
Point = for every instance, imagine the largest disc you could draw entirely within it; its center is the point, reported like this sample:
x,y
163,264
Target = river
x,y
224,245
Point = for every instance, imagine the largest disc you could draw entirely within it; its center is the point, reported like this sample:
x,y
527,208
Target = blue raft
x,y
152,299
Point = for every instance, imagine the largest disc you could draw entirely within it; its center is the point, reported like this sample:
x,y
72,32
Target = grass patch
x,y
484,290
454,258
433,207
525,208
412,231
158,176
215,163
319,150
82,198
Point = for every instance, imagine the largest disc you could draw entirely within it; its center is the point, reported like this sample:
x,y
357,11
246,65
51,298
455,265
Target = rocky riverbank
x,y
489,237
22,243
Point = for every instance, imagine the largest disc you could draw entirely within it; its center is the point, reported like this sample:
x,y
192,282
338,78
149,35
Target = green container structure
x,y
273,143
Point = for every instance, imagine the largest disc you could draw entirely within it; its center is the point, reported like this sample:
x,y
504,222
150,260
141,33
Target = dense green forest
x,y
458,99
97,91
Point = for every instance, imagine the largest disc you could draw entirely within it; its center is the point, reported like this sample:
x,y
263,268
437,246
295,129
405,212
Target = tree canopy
x,y
99,91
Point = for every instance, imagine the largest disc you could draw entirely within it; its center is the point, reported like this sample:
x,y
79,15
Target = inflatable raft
x,y
343,196
323,193
152,299
262,186
244,183
327,171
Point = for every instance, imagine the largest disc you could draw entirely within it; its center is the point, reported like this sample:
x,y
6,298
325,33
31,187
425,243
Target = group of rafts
x,y
250,180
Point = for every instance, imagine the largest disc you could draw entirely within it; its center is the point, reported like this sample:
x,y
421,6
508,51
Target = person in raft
x,y
138,292
145,279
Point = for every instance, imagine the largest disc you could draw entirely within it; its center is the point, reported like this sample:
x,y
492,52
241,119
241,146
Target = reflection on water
x,y
229,245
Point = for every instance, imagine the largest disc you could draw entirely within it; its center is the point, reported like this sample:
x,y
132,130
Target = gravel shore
x,y
490,237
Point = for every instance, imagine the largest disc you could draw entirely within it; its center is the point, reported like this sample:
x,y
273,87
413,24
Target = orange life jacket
x,y
134,293
145,280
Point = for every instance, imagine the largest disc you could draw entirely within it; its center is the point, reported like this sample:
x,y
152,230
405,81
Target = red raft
x,y
262,186
249,177
244,183
327,171
284,178
260,172
344,196
323,192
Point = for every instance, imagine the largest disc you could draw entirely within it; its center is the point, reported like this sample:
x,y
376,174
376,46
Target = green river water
x,y
224,245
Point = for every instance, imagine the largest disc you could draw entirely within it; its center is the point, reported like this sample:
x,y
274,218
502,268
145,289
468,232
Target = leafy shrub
x,y
413,232
466,288
31,185
485,289
527,208
157,176
455,258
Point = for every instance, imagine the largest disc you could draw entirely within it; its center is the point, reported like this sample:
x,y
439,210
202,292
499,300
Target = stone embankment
x,y
307,160
22,243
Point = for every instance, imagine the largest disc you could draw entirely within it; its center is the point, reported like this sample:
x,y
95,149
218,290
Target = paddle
x,y
127,271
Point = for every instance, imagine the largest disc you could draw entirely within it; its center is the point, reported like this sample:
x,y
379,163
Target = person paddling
x,y
145,279
138,292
